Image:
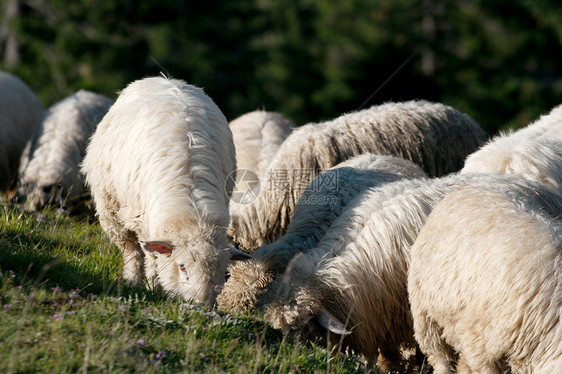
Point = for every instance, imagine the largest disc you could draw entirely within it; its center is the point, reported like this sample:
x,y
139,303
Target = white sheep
x,y
49,169
354,282
257,136
157,166
20,112
321,203
434,136
485,282
534,152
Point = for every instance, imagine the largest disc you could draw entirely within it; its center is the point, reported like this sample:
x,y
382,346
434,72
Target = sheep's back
x,y
58,143
165,150
21,111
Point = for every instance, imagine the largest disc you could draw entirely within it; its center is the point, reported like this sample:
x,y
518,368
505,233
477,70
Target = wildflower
x,y
61,210
141,342
160,355
123,307
146,310
75,294
7,306
71,312
57,316
40,218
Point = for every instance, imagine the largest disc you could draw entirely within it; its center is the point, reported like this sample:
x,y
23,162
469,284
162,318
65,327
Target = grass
x,y
63,309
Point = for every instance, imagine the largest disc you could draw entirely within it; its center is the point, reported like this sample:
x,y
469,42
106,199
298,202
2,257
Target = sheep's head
x,y
300,311
34,196
195,271
247,283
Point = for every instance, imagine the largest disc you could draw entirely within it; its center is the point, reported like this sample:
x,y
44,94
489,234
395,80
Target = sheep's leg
x,y
428,335
469,365
133,261
388,360
127,242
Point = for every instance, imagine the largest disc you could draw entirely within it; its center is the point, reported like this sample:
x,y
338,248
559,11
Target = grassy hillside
x,y
63,309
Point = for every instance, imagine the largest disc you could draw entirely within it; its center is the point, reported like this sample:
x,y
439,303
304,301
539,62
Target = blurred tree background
x,y
500,61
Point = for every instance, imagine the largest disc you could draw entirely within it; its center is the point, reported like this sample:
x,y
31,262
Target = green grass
x,y
63,309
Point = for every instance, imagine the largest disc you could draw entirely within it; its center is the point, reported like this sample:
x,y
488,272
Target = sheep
x,y
485,282
434,136
320,204
354,282
257,136
49,168
534,152
20,112
157,166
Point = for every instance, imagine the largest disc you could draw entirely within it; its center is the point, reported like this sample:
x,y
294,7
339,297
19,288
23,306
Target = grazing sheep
x,y
534,152
257,136
20,112
157,166
321,203
434,136
49,170
485,282
354,281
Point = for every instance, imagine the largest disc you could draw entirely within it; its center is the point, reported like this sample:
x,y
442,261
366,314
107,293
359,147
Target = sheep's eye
x,y
182,268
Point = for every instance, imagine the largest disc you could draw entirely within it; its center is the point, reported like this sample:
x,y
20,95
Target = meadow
x,y
64,309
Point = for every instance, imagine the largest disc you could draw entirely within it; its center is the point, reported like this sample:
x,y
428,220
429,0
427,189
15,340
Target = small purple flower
x,y
141,342
61,210
75,294
123,307
146,310
57,316
160,355
19,287
71,312
7,306
40,218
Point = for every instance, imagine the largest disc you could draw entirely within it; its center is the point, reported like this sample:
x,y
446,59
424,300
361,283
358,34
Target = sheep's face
x,y
35,196
195,271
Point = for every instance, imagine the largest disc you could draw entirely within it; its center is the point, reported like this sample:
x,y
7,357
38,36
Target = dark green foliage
x,y
312,60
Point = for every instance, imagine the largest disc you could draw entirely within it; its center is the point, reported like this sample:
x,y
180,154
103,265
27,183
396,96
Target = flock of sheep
x,y
397,231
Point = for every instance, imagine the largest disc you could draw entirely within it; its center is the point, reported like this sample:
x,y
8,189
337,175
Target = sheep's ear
x,y
161,247
330,323
236,254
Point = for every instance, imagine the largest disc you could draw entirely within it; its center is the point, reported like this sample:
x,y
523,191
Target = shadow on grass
x,y
17,254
